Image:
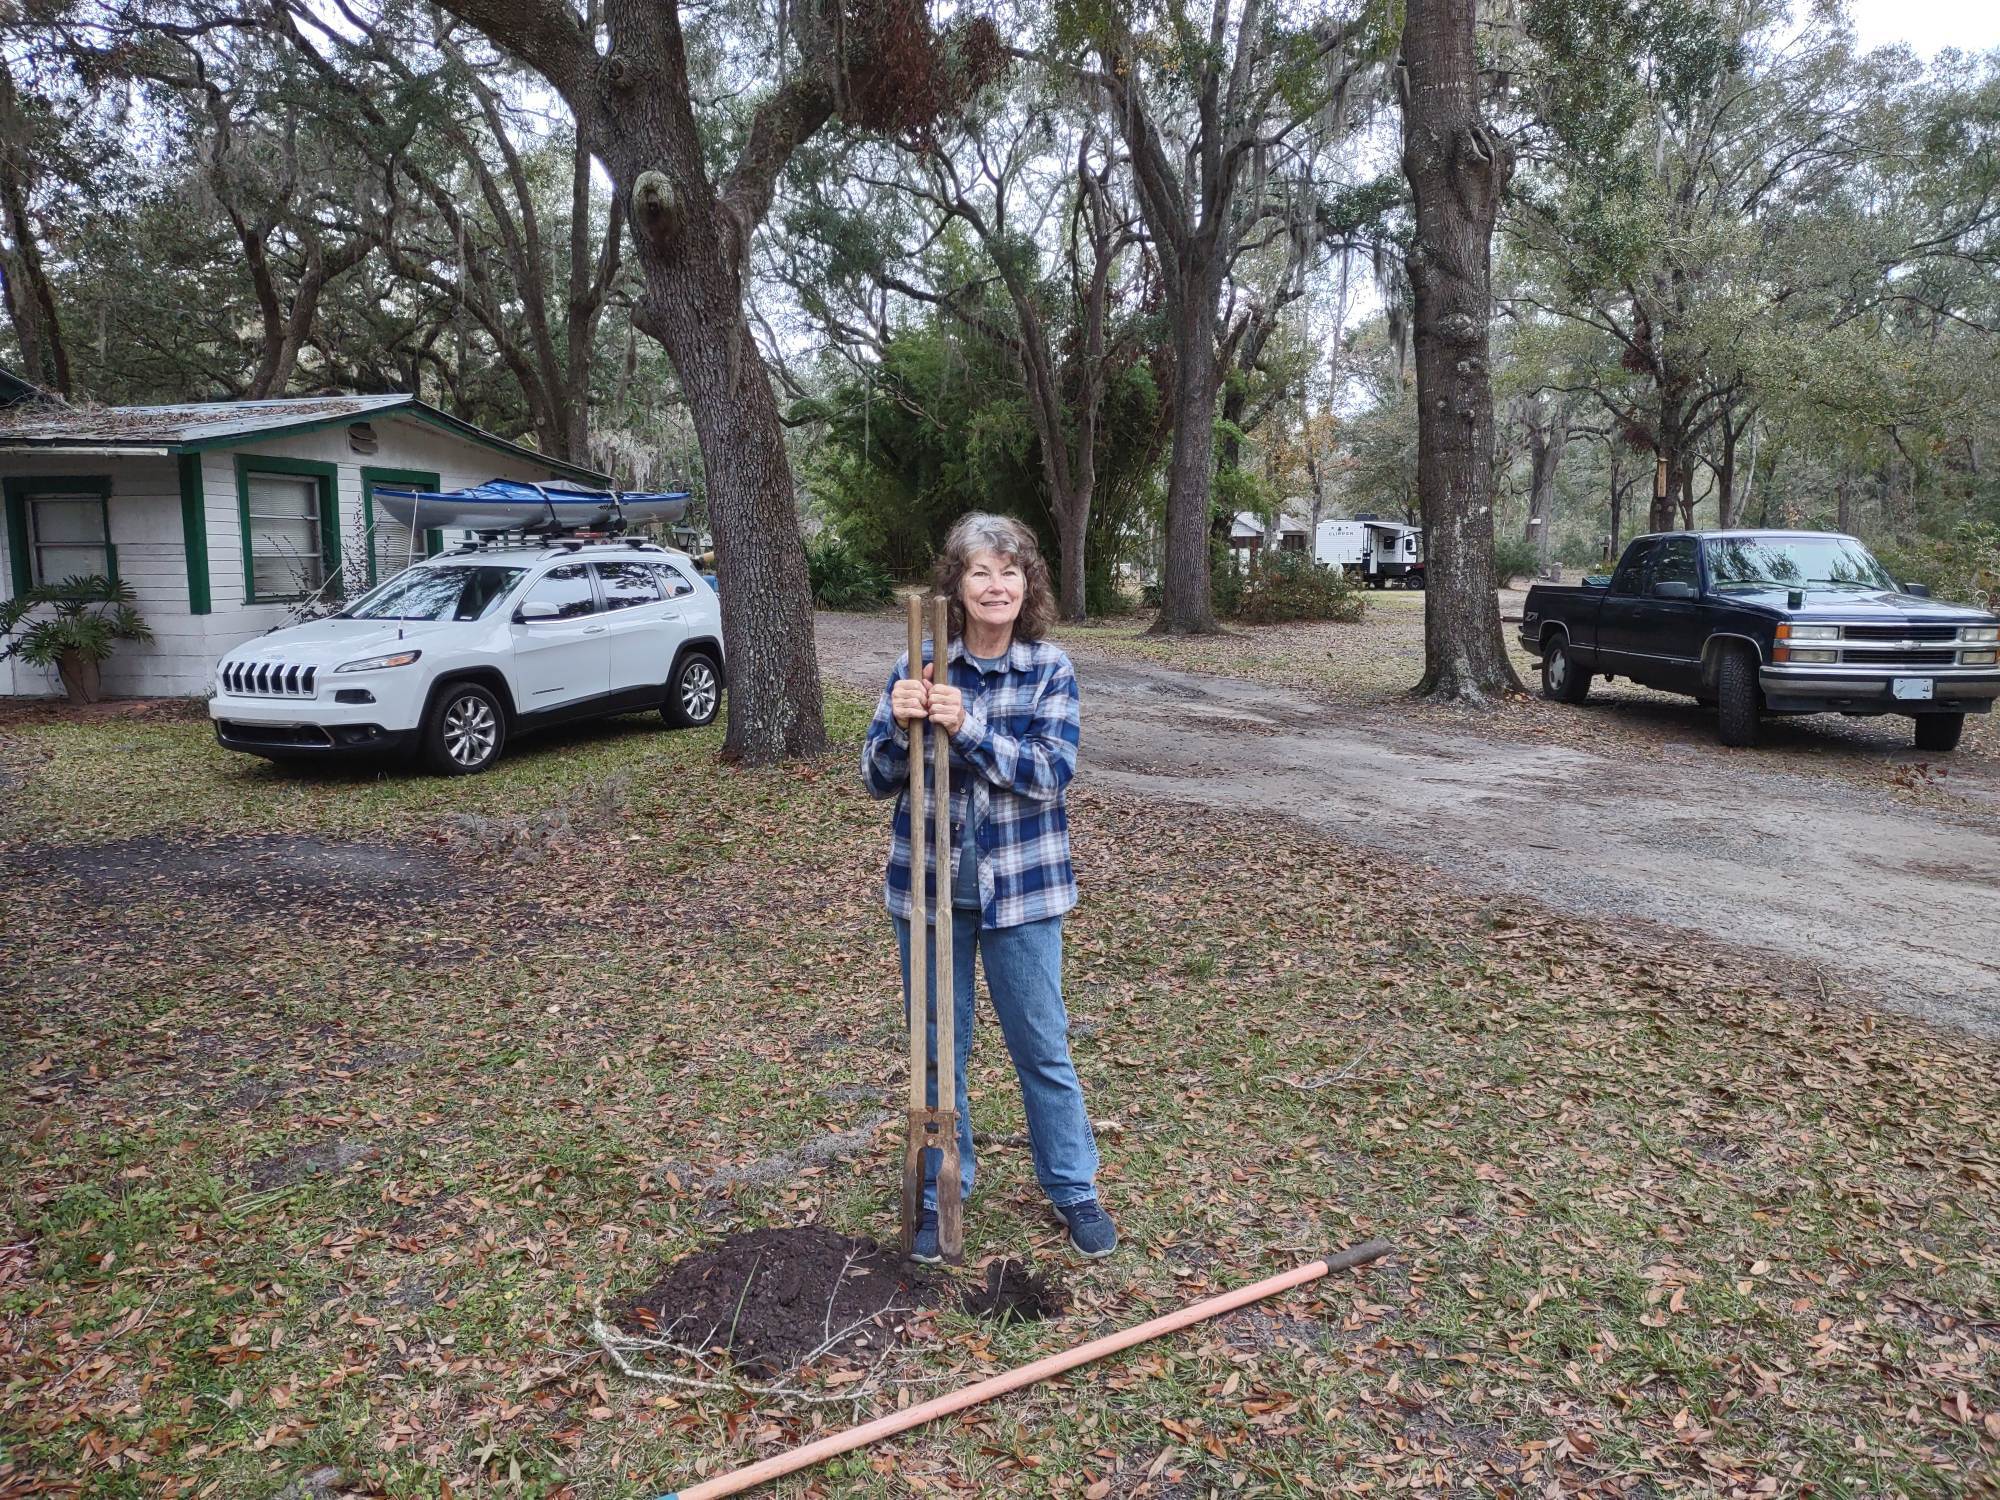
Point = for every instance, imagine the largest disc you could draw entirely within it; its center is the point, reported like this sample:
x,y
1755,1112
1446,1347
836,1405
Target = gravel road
x,y
1889,902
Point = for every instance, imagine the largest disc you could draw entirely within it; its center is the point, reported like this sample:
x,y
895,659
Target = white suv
x,y
453,656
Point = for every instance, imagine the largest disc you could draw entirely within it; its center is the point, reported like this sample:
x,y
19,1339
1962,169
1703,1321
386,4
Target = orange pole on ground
x,y
821,1449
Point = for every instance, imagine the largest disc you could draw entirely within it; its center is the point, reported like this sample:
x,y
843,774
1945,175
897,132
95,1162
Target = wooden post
x,y
943,1120
913,1155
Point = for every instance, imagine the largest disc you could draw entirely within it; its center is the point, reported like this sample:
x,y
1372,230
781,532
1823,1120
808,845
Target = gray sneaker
x,y
1091,1232
926,1248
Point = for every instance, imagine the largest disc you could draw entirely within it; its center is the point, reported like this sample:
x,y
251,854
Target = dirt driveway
x,y
1885,900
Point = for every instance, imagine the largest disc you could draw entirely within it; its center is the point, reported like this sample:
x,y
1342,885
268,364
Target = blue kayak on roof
x,y
516,505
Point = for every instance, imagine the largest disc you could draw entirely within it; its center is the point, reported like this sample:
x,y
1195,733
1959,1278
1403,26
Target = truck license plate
x,y
1911,687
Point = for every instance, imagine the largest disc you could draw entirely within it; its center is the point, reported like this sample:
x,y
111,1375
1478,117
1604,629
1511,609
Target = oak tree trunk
x,y
693,305
1185,605
1668,451
1457,171
1072,522
1548,433
1617,500
1725,478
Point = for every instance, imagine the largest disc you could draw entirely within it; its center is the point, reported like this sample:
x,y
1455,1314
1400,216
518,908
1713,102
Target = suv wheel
x,y
466,732
1939,732
1562,679
694,694
1736,698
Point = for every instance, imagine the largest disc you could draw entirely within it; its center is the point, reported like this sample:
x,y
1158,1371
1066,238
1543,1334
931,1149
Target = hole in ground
x,y
1014,1294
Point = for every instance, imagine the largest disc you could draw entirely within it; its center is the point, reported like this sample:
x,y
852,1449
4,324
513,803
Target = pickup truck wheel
x,y
466,731
694,694
1939,732
1562,679
1736,698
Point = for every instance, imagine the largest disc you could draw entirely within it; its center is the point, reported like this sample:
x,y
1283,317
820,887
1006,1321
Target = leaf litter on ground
x,y
292,1186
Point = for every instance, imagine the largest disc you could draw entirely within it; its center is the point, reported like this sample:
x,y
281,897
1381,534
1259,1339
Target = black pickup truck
x,y
1768,622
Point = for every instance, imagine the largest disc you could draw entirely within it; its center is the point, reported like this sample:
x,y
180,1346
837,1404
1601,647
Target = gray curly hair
x,y
1008,538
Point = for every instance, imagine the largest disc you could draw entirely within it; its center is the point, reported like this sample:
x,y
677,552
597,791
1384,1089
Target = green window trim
x,y
328,477
194,532
16,489
415,479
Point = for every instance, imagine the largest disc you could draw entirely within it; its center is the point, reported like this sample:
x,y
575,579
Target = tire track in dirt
x,y
1883,901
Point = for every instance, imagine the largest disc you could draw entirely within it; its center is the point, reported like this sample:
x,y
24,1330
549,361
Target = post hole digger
x,y
933,1127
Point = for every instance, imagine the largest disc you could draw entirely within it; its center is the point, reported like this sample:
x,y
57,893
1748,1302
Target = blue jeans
x,y
1024,981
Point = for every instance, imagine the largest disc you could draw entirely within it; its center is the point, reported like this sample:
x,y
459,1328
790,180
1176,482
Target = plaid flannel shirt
x,y
1018,744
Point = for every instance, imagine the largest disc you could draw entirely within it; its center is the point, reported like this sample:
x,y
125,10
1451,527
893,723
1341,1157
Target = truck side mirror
x,y
1917,590
1674,590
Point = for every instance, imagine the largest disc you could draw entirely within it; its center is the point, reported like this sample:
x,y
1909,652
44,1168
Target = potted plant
x,y
85,620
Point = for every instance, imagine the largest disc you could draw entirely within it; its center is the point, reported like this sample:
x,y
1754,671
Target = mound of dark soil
x,y
768,1299
1014,1294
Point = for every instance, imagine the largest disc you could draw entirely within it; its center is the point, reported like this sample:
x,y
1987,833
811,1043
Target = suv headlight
x,y
1815,632
377,663
1981,633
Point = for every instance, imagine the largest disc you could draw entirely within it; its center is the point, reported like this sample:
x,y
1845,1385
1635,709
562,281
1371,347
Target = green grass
x,y
1659,1224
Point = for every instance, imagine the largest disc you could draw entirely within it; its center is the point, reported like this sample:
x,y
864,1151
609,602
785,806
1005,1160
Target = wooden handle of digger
x,y
919,921
951,1208
814,1452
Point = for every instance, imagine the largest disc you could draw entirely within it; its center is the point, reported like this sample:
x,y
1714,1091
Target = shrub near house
x,y
73,626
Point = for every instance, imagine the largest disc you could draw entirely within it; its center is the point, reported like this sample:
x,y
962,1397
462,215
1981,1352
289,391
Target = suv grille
x,y
1907,658
277,734
270,679
1900,632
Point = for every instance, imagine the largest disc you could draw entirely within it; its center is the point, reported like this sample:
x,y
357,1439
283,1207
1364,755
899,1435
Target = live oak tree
x,y
27,132
1705,190
1458,169
874,65
1030,184
475,218
243,166
1206,106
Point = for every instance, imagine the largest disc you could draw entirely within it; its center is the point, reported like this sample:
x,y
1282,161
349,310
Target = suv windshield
x,y
1793,562
442,593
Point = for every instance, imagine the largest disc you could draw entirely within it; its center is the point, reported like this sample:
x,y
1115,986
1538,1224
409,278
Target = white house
x,y
222,516
1246,532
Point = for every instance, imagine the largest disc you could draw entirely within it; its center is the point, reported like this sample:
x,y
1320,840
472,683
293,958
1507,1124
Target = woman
x,y
1008,701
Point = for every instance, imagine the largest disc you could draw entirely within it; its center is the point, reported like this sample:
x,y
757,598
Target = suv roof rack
x,y
495,541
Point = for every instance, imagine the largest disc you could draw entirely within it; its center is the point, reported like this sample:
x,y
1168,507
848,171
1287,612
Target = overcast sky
x,y
1928,26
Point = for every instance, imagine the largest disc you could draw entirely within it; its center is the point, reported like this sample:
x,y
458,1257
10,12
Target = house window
x,y
286,554
69,536
59,527
290,534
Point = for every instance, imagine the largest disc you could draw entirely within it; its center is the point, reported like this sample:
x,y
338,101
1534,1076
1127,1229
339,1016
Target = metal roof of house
x,y
190,427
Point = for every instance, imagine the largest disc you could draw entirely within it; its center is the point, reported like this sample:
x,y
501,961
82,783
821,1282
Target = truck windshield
x,y
1793,562
449,593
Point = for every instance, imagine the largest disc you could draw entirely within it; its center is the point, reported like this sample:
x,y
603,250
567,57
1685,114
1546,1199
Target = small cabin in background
x,y
225,517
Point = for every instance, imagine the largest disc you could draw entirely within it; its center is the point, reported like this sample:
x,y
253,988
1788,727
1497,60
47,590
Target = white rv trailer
x,y
1377,552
